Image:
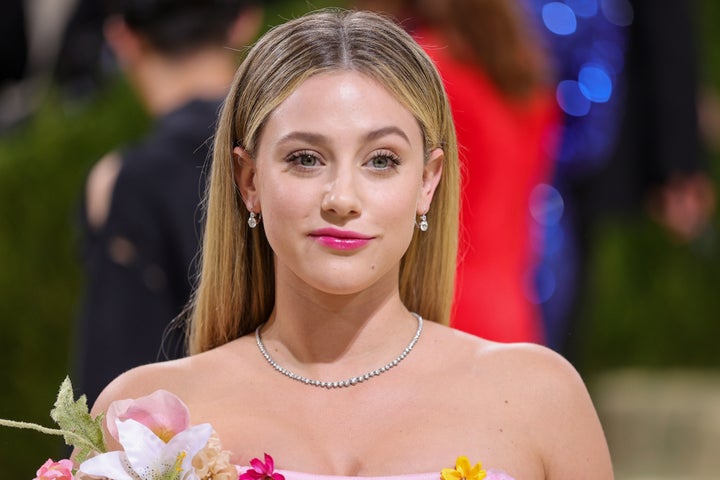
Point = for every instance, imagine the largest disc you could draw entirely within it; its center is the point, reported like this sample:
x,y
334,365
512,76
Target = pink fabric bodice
x,y
289,475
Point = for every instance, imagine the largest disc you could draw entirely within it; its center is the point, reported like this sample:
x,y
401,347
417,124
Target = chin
x,y
340,289
344,283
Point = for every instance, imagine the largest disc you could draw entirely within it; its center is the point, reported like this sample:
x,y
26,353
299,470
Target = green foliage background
x,y
650,302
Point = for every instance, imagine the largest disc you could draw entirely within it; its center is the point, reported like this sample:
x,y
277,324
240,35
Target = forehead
x,y
341,103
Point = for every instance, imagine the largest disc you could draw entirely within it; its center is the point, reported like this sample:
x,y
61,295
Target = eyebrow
x,y
320,138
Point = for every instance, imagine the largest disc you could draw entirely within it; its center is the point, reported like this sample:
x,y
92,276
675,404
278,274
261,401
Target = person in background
x,y
140,218
497,79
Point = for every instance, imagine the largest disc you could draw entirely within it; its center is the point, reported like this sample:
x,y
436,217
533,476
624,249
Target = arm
x,y
568,433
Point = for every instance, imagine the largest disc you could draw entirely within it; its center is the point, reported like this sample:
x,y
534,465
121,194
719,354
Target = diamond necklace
x,y
343,383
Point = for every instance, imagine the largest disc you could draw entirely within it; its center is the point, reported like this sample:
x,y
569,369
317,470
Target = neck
x,y
330,335
165,84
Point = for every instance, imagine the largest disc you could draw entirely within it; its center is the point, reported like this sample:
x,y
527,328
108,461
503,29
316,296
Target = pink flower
x,y
51,470
261,471
162,412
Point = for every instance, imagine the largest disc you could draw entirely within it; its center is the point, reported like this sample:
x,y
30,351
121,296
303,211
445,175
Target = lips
x,y
340,239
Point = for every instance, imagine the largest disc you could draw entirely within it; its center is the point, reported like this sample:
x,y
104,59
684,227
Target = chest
x,y
365,431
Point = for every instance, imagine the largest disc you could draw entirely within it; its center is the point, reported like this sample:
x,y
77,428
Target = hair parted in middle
x,y
236,289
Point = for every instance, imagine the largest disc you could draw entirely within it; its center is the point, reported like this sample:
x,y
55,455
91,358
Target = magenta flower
x,y
261,471
162,412
52,470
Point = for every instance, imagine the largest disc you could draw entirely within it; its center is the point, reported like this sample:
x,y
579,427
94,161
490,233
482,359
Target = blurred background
x,y
646,321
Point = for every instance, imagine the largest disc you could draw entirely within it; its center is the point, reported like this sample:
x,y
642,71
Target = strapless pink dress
x,y
491,475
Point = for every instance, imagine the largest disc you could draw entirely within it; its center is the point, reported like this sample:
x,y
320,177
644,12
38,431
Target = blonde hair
x,y
236,288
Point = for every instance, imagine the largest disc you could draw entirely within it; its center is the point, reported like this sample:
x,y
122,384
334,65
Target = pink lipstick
x,y
340,239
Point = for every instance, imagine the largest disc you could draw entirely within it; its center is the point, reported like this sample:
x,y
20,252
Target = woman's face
x,y
339,179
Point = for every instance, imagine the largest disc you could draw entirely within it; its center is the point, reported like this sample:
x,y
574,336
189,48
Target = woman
x,y
331,216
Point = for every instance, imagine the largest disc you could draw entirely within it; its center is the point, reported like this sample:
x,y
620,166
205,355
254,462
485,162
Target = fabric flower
x,y
162,412
463,471
213,463
51,470
146,456
262,471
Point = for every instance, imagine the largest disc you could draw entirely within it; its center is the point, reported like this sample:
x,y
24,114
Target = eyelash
x,y
394,160
296,158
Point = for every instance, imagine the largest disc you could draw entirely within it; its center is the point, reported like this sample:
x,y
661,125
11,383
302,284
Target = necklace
x,y
342,383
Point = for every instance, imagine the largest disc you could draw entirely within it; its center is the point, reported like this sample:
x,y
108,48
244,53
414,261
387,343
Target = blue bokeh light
x,y
553,240
583,8
571,99
595,83
618,12
545,284
559,18
546,204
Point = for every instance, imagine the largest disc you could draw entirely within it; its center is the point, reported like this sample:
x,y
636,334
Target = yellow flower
x,y
462,471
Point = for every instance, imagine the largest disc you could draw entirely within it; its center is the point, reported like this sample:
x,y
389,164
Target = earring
x,y
252,221
423,224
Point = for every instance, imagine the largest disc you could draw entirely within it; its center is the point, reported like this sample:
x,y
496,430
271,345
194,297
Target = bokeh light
x,y
618,12
545,285
571,99
546,204
583,8
595,83
559,18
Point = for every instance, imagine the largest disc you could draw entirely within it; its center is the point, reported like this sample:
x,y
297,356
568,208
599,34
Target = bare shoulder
x,y
182,377
539,394
537,378
141,381
514,365
536,367
476,355
99,188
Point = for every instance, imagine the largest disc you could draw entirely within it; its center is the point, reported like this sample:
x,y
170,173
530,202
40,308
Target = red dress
x,y
504,154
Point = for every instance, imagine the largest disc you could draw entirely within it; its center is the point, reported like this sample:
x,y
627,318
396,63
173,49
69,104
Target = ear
x,y
126,44
432,171
245,179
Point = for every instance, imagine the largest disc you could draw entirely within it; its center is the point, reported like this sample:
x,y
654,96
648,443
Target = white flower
x,y
145,456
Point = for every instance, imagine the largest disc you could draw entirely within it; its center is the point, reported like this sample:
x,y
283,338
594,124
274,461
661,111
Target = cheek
x,y
395,209
399,199
283,207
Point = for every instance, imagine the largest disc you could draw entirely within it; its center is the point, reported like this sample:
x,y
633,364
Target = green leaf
x,y
74,416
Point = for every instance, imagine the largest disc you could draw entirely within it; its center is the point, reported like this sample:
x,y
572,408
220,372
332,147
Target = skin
x,y
519,408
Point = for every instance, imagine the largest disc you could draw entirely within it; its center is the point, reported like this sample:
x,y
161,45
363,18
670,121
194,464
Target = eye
x,y
384,160
303,159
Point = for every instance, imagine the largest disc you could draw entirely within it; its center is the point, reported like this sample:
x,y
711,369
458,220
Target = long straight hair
x,y
236,289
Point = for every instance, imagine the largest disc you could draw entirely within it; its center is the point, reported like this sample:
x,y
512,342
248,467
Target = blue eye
x,y
380,162
307,160
303,159
384,161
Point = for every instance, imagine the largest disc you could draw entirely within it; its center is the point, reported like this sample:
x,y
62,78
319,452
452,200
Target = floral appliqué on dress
x,y
158,442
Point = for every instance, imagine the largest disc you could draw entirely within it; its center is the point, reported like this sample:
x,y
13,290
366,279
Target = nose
x,y
341,196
